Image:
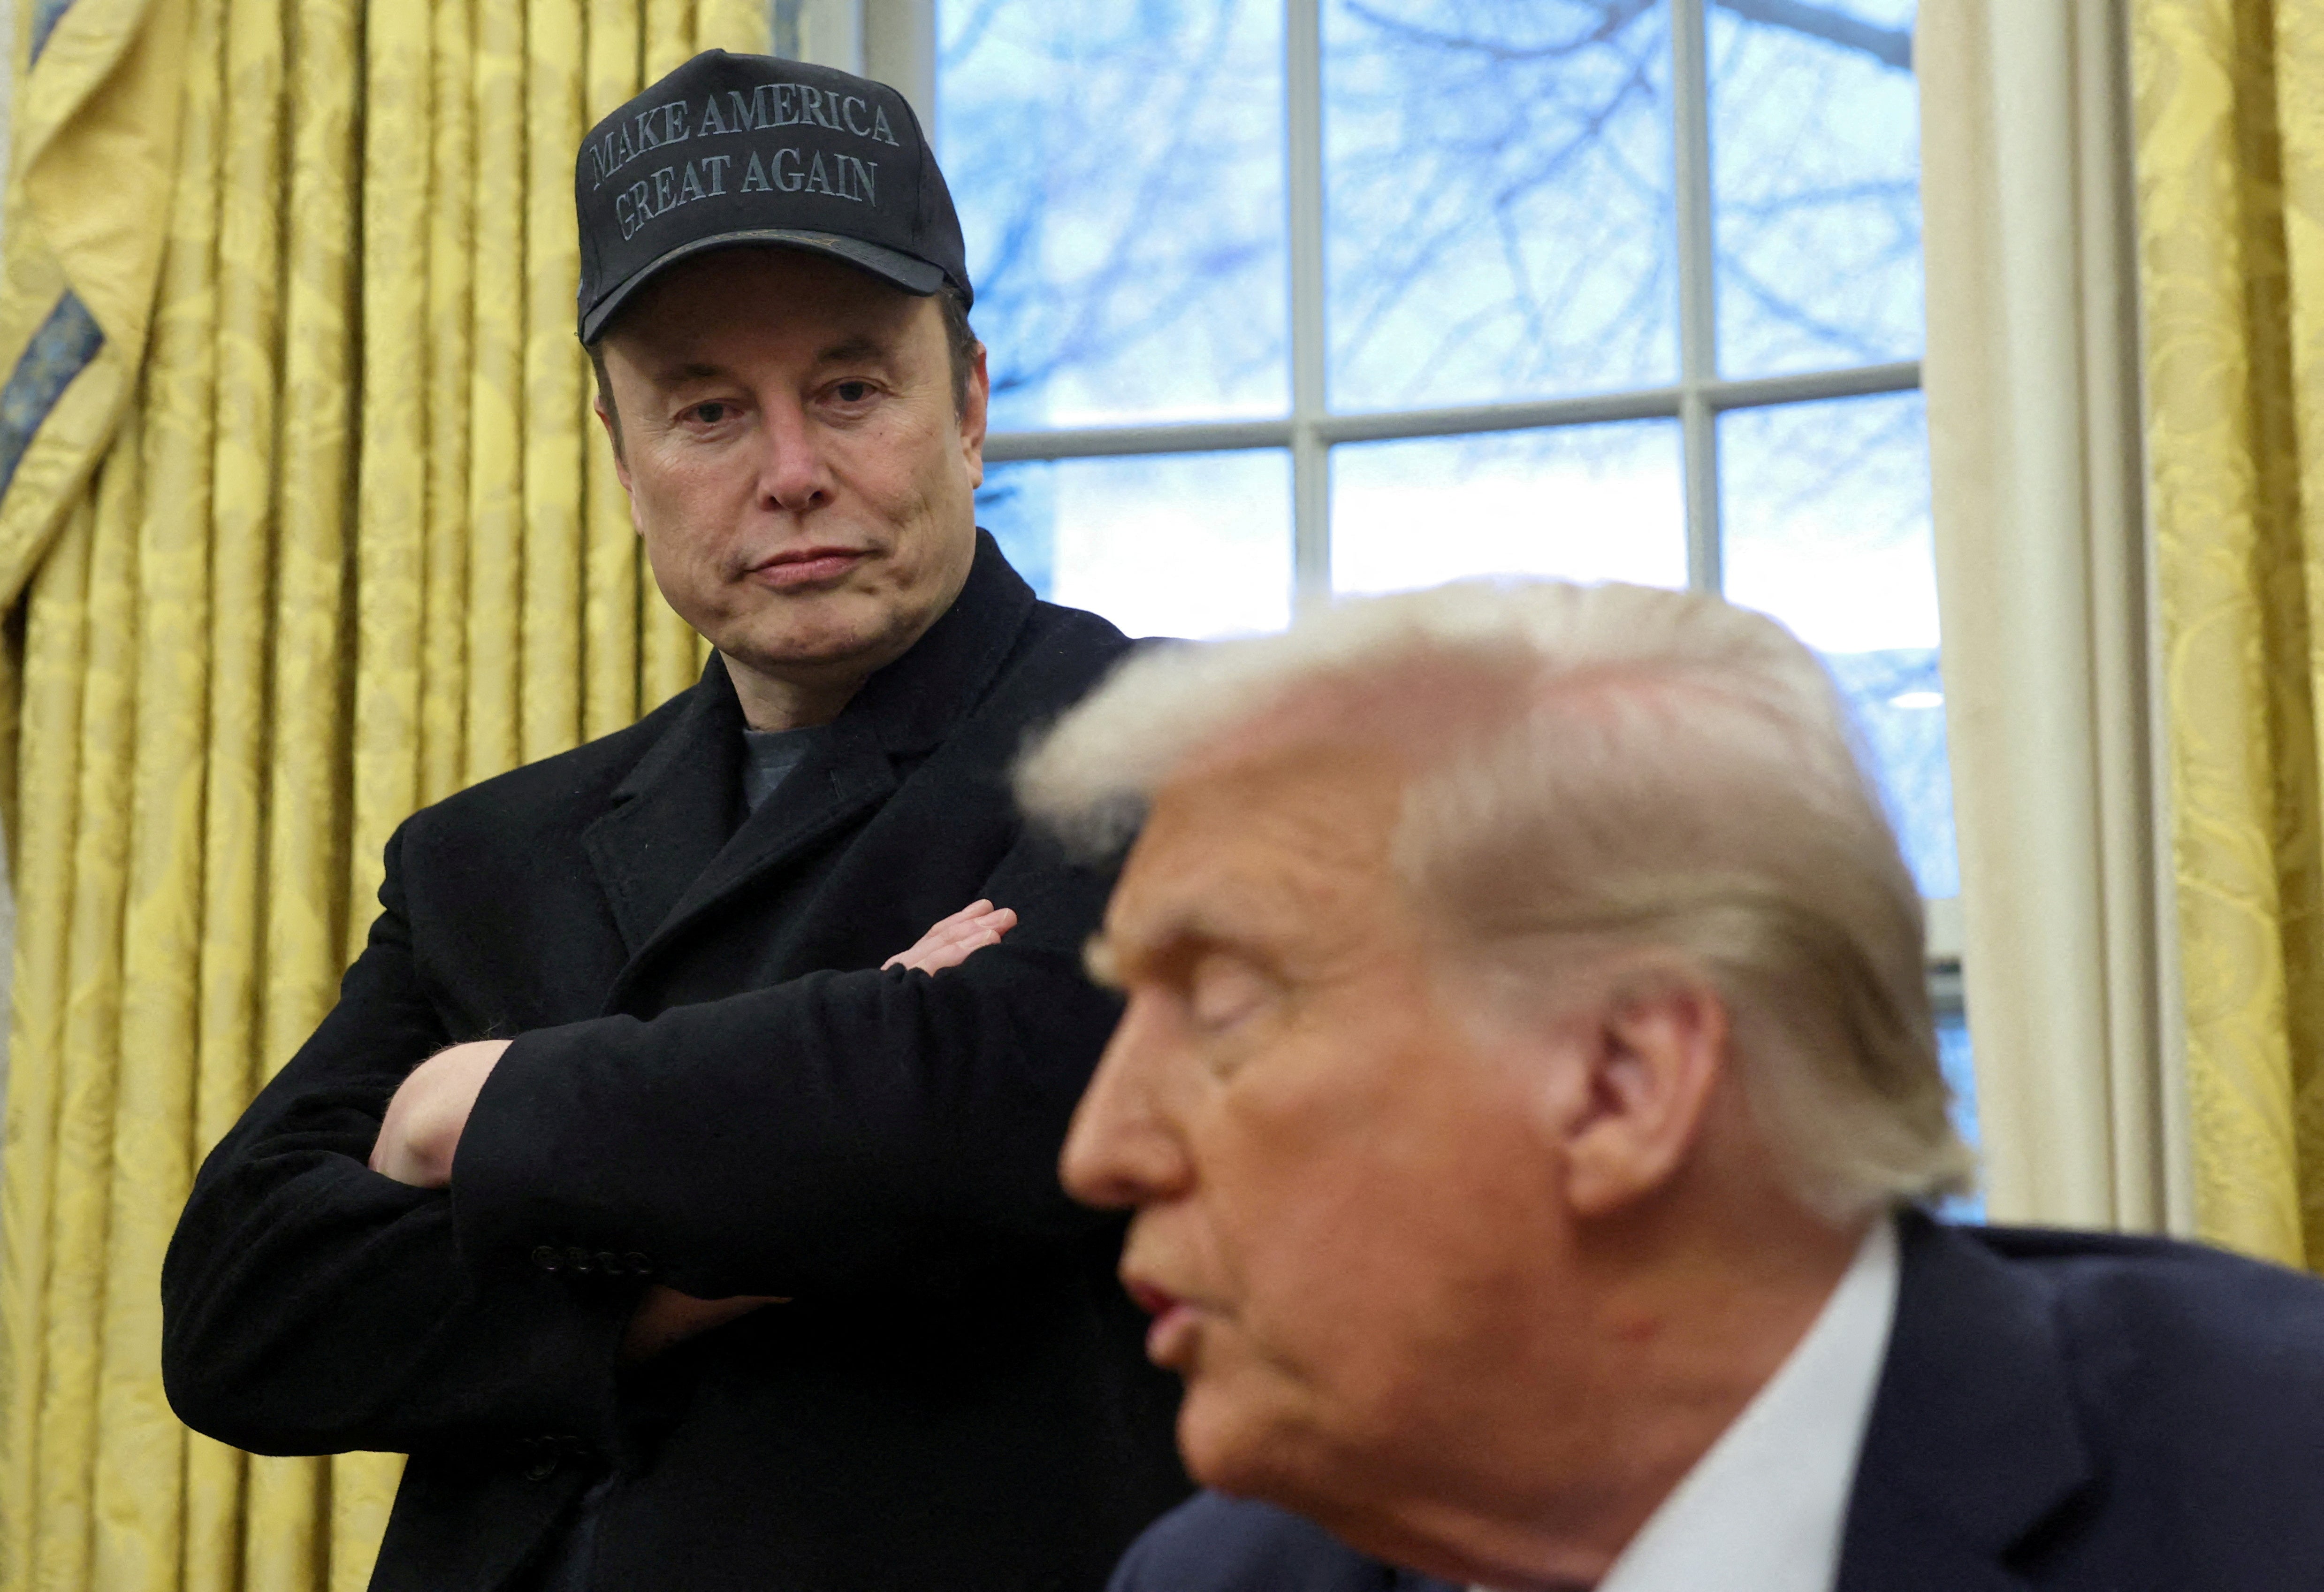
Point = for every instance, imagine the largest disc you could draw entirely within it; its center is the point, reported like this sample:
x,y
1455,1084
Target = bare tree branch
x,y
1891,47
1615,17
971,34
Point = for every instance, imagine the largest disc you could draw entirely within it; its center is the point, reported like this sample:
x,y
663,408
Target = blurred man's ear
x,y
1652,1049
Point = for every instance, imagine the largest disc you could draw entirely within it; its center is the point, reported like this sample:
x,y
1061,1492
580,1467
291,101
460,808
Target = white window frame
x,y
1312,428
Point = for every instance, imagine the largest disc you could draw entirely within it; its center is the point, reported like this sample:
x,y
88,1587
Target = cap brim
x,y
912,276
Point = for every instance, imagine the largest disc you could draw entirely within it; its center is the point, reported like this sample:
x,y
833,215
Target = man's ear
x,y
1655,1046
621,464
972,414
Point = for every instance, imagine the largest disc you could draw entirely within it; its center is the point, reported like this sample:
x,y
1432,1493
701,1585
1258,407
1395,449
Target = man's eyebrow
x,y
691,370
1183,926
862,345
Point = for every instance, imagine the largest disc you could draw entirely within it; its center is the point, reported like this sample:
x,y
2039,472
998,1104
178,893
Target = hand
x,y
667,1317
978,924
421,1131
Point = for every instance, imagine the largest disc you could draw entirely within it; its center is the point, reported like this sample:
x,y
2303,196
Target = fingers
x,y
939,933
950,942
948,949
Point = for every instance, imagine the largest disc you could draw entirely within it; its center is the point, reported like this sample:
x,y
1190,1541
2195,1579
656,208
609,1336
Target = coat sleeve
x,y
846,1133
311,1305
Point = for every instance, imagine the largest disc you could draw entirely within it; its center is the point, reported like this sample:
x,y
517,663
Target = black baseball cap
x,y
734,151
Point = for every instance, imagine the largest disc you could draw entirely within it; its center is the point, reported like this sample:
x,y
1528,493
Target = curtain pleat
x,y
2230,160
555,62
496,394
56,688
137,1493
347,540
445,359
72,1300
617,590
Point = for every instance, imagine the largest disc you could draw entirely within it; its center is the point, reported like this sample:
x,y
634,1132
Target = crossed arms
x,y
419,1136
841,1136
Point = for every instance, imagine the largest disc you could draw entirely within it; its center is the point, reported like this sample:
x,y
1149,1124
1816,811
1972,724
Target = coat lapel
x,y
840,781
1973,1445
670,852
674,812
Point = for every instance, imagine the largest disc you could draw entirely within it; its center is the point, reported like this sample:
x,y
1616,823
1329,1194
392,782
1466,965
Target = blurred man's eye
x,y
1223,990
852,391
710,415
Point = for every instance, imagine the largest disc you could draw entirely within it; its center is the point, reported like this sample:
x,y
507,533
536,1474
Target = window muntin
x,y
1182,545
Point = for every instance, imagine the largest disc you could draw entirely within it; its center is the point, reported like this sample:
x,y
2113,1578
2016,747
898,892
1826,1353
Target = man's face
x,y
794,458
1344,1218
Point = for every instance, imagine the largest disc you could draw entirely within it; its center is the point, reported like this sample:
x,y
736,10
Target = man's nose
x,y
796,476
1122,1150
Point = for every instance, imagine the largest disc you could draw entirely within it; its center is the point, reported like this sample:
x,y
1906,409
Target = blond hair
x,y
1613,765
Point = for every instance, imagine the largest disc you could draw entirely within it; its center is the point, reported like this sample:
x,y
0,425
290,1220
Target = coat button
x,y
577,1258
640,1264
609,1264
543,1467
547,1257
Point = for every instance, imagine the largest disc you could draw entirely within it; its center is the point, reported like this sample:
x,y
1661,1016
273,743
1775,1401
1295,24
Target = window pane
x,y
1499,181
1119,172
1826,511
1185,544
1815,139
1953,1055
1587,503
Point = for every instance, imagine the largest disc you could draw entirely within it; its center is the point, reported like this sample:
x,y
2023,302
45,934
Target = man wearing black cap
x,y
684,1237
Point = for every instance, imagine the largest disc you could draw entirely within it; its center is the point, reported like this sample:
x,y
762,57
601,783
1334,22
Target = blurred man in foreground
x,y
1528,1100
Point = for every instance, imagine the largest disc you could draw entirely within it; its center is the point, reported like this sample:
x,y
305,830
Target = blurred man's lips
x,y
1171,1337
1148,1297
806,566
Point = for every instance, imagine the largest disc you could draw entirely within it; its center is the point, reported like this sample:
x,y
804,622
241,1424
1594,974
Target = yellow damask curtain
x,y
303,525
2230,110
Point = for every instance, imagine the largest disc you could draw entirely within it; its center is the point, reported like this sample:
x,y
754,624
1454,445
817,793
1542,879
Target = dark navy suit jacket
x,y
2066,1411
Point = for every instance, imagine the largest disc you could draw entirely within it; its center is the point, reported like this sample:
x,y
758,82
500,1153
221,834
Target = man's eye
x,y
1223,990
852,392
710,415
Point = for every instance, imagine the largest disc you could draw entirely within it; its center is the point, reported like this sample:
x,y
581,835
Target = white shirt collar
x,y
1763,1510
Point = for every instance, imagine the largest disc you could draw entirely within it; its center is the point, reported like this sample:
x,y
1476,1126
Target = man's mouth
x,y
806,566
1170,1340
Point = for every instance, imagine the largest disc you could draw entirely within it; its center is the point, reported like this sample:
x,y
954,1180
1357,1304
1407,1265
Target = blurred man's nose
x,y
1122,1150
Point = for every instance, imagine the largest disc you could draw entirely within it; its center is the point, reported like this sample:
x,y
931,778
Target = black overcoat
x,y
712,1086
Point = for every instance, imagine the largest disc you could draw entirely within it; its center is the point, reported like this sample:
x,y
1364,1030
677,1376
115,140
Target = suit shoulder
x,y
1063,637
1214,1543
1058,657
570,786
2181,1325
2138,1275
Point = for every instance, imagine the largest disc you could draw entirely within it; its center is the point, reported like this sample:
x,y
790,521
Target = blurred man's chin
x,y
1237,1445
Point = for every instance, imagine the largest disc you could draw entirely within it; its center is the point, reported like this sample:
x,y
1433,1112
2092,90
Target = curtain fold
x,y
304,525
2032,375
2229,98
